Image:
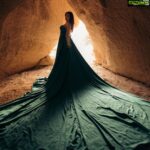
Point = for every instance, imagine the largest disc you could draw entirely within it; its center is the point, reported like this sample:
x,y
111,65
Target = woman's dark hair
x,y
71,18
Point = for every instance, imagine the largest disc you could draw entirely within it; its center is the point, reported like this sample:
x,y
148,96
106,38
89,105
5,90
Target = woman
x,y
69,25
74,109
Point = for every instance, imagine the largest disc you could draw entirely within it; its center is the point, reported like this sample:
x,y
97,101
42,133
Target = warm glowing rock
x,y
45,61
28,31
120,34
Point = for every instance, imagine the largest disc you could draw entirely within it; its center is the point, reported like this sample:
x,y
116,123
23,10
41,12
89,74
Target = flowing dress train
x,y
74,109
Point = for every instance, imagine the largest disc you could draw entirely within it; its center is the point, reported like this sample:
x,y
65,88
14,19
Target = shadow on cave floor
x,y
18,84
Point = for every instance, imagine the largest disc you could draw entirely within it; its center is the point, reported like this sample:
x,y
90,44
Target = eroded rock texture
x,y
121,35
29,29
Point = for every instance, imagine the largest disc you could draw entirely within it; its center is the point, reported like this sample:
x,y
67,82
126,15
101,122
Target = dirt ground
x,y
16,85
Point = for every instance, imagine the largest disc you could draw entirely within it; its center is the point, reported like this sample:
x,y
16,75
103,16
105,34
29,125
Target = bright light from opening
x,y
80,37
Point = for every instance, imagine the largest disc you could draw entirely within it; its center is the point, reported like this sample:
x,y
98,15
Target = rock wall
x,y
120,34
29,29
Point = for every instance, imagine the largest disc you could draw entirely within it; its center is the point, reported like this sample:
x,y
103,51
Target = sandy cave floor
x,y
16,85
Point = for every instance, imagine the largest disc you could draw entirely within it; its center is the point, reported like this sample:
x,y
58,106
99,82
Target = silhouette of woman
x,y
74,109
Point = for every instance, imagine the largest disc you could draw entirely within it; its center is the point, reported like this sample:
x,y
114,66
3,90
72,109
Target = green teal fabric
x,y
74,109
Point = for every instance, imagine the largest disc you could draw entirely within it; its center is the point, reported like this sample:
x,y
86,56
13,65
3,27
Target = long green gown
x,y
74,109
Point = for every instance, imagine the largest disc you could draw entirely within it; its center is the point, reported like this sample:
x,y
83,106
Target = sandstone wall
x,y
120,34
29,29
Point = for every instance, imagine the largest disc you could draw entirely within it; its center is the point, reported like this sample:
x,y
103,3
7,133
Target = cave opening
x,y
29,35
82,40
77,109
